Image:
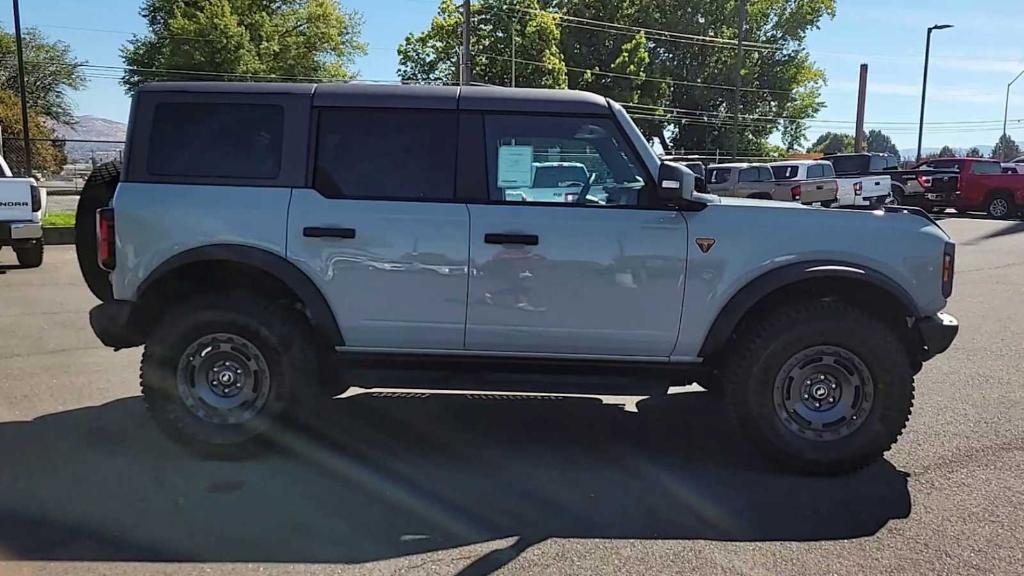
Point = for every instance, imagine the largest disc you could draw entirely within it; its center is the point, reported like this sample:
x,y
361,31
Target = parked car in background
x,y
925,188
748,180
810,178
693,165
1011,168
552,182
982,186
22,207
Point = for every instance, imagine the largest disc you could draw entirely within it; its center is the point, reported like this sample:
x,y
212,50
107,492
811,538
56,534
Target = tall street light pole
x,y
924,83
741,16
1006,110
21,89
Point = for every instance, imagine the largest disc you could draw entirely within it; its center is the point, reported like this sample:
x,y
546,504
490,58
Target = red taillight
x,y
105,252
795,192
924,181
37,198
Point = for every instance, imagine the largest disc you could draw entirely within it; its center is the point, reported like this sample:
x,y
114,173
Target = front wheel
x,y
219,371
820,387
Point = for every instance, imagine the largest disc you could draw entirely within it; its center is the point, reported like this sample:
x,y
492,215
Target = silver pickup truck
x,y
748,180
269,244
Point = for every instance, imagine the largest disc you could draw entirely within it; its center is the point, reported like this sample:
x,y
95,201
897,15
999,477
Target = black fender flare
x,y
319,310
747,297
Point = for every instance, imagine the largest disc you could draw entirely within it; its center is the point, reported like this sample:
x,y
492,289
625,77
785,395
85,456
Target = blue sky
x,y
970,64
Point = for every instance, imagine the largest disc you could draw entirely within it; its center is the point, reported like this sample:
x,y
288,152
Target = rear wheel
x,y
30,256
1000,206
820,387
219,371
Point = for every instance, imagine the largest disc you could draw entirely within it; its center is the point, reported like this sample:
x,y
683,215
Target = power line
x,y
641,78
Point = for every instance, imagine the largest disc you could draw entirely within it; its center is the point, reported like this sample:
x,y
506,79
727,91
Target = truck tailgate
x,y
812,191
15,199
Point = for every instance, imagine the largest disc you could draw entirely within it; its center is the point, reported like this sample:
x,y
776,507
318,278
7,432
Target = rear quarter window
x,y
216,140
718,175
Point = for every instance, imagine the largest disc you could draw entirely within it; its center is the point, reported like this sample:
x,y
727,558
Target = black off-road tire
x,y
30,256
764,349
97,192
1000,206
281,336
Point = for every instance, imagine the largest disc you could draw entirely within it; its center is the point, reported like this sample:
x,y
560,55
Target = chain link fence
x,y
60,165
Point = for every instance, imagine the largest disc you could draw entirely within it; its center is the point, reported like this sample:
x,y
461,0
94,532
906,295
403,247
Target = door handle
x,y
316,232
526,239
819,187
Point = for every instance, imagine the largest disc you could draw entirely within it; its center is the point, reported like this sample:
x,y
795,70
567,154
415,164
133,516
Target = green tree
x,y
973,152
1005,149
258,40
51,70
500,28
684,80
47,156
832,143
946,152
878,141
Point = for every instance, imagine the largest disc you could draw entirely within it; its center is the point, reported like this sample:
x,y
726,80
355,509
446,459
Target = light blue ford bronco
x,y
267,243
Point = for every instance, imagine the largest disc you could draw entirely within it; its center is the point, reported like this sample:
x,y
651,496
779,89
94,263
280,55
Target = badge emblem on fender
x,y
705,244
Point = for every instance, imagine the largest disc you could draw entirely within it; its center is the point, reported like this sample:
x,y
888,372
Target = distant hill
x,y
92,128
911,152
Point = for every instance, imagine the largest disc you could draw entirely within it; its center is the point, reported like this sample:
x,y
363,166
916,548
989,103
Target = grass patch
x,y
59,219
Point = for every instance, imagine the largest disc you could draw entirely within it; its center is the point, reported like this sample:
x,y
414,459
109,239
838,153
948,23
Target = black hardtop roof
x,y
356,94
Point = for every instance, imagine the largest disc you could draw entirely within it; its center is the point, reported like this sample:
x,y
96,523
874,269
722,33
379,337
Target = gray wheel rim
x,y
999,207
223,379
823,393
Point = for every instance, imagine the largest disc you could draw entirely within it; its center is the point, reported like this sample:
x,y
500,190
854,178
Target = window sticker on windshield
x,y
515,165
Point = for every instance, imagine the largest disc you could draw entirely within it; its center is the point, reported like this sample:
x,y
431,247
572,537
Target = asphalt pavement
x,y
472,486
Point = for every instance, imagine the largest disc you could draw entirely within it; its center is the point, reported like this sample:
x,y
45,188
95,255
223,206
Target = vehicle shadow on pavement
x,y
387,477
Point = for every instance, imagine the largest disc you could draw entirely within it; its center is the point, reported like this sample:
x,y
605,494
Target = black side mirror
x,y
676,183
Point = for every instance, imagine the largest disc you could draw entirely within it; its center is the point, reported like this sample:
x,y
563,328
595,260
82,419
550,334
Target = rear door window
x,y
383,153
216,140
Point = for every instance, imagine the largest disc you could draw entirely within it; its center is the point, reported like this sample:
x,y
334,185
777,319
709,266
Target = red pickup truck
x,y
981,187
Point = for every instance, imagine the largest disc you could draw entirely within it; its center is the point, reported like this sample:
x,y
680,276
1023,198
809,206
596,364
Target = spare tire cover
x,y
97,193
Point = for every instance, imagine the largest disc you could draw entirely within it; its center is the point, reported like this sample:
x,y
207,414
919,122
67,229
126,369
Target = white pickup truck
x,y
22,206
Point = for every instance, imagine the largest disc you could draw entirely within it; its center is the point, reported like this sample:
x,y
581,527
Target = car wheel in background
x,y
1000,206
30,256
219,371
820,387
97,192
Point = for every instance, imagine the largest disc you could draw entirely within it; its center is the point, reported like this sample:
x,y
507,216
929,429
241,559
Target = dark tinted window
x,y
785,171
849,164
765,174
386,153
216,140
941,165
827,171
876,164
815,171
891,163
559,175
719,175
986,168
748,175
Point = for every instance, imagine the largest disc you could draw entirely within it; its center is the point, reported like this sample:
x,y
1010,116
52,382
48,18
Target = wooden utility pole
x,y
858,142
26,138
466,77
741,8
